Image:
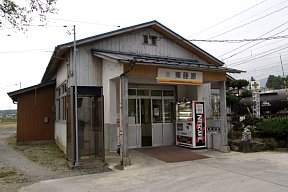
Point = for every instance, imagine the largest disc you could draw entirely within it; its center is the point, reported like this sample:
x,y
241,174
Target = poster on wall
x,y
200,126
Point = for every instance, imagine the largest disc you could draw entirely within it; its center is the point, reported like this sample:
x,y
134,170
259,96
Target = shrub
x,y
276,127
271,144
251,120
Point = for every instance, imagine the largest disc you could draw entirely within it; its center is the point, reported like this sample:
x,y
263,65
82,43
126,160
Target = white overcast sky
x,y
24,57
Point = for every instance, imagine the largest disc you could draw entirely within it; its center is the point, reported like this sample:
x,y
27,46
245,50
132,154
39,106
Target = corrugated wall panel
x,y
33,107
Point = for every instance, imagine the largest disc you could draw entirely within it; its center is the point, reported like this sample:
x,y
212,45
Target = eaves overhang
x,y
168,62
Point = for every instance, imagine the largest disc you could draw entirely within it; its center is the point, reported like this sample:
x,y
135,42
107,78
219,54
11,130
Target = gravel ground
x,y
17,171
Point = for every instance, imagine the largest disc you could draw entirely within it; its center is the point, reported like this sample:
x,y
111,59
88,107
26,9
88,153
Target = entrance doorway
x,y
90,126
146,126
151,117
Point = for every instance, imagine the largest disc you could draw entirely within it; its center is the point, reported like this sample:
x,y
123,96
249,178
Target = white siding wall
x,y
60,132
89,68
110,71
61,73
61,135
133,43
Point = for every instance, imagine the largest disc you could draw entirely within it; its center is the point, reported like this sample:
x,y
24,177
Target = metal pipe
x,y
122,127
75,98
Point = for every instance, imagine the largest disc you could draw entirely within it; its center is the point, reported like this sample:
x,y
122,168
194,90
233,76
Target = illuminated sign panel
x,y
175,76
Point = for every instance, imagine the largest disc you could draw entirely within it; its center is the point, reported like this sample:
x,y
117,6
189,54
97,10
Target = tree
x,y
23,12
276,82
239,84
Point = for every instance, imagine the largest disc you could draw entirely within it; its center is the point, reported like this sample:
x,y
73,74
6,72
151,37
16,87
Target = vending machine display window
x,y
191,124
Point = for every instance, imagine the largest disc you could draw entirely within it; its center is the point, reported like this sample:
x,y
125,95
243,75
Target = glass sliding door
x,y
168,124
146,126
134,128
157,126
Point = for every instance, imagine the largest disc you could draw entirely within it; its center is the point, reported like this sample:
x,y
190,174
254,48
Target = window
x,y
157,110
168,110
150,39
132,111
143,92
131,91
156,92
168,93
145,39
61,102
153,40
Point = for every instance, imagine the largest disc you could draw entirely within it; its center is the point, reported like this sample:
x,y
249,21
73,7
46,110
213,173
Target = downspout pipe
x,y
131,66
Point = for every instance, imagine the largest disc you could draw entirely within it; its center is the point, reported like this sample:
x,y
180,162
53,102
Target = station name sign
x,y
175,76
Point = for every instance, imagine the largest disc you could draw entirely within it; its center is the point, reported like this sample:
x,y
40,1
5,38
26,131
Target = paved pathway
x,y
267,171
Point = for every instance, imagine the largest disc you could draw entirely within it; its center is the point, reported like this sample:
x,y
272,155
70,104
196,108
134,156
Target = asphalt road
x,y
223,172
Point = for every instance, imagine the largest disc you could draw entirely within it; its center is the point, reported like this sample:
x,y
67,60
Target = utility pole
x,y
284,82
75,98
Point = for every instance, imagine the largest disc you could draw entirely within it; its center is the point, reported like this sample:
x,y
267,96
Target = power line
x,y
83,22
250,42
242,40
262,67
22,51
278,10
228,18
252,45
239,59
279,48
255,15
260,55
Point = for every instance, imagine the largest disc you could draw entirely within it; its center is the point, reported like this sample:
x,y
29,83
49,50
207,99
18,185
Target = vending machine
x,y
191,124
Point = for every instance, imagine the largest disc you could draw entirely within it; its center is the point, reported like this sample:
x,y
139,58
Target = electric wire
x,y
243,20
252,59
257,49
25,51
245,24
223,21
251,46
279,48
243,40
260,37
83,22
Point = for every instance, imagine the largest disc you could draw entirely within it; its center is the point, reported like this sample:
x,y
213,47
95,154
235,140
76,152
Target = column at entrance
x,y
124,121
223,114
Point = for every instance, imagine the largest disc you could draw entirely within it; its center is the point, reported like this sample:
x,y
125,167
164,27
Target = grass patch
x,y
11,140
7,172
48,155
4,124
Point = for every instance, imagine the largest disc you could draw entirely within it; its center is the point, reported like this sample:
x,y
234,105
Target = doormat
x,y
172,154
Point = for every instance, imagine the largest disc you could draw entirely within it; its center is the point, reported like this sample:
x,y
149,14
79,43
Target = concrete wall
x,y
188,91
111,73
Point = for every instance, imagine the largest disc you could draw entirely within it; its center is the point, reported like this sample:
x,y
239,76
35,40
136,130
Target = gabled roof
x,y
13,95
62,49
